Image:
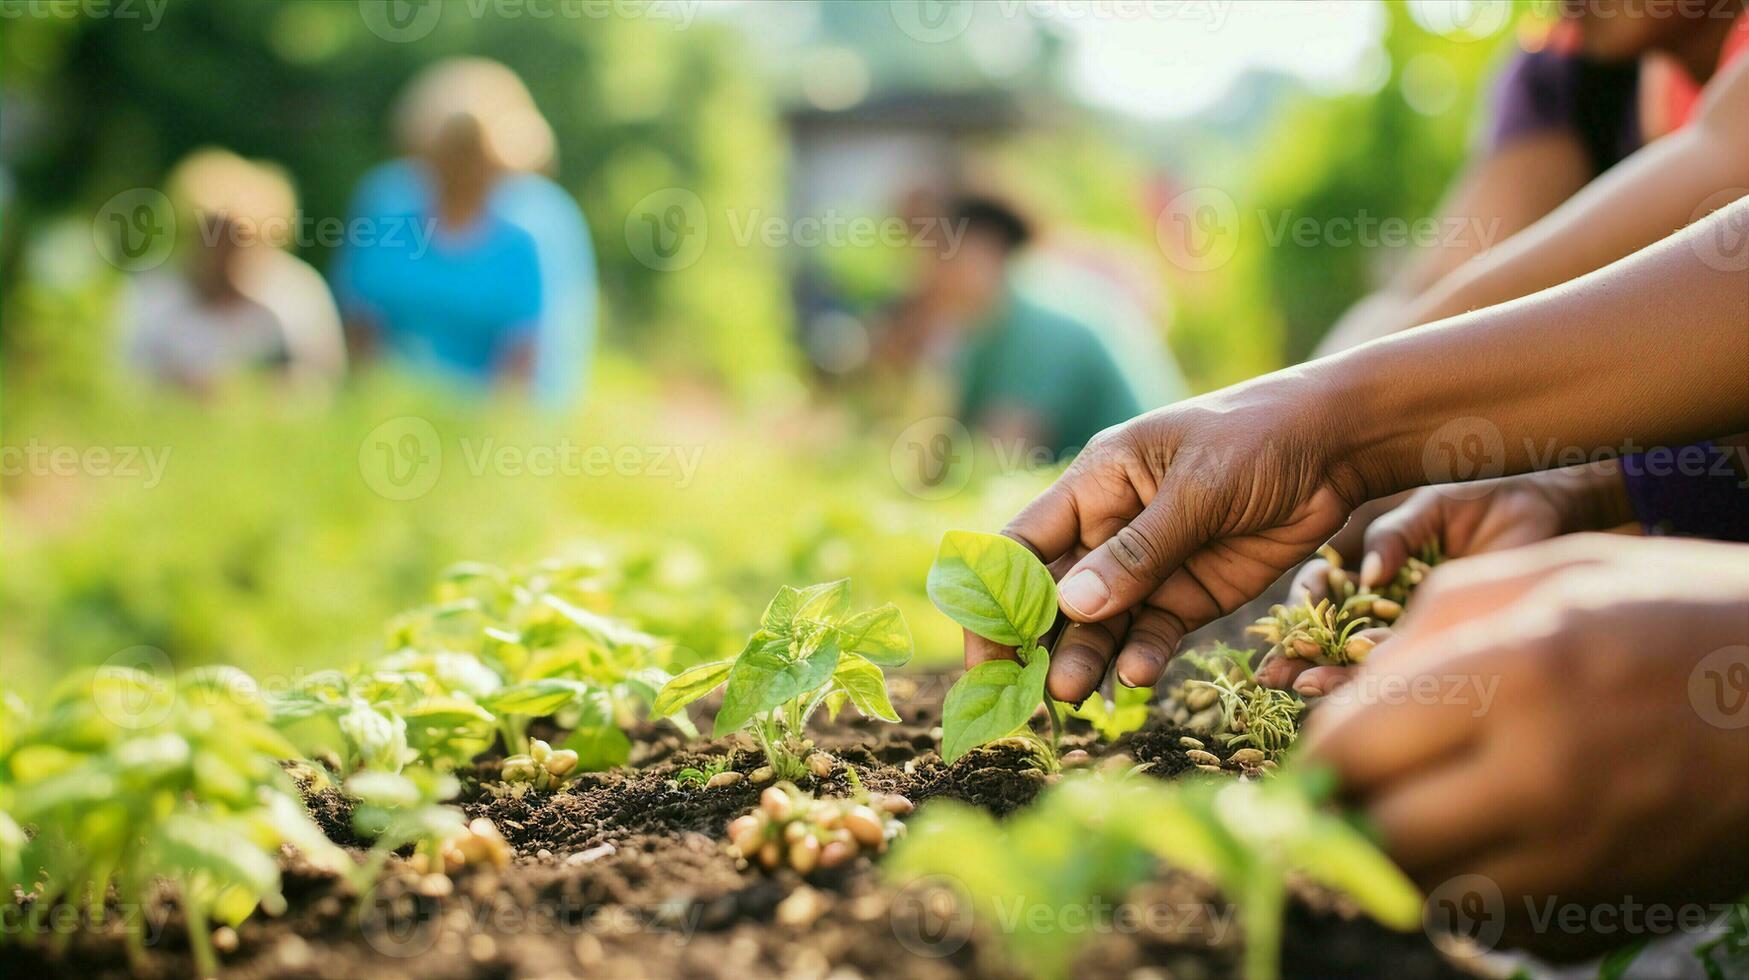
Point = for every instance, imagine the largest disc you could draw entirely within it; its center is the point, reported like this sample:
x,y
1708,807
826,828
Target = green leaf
x,y
534,698
771,671
866,687
598,742
992,700
688,686
825,602
880,635
1337,855
1112,719
994,587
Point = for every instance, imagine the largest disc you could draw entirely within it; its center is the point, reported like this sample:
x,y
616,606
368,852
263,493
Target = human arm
x,y
1181,515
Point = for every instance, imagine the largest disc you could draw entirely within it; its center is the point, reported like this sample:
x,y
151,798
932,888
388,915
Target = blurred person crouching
x,y
1028,375
494,280
235,303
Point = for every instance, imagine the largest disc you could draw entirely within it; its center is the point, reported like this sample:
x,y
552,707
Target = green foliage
x,y
1727,955
496,650
126,779
808,651
1125,712
1092,837
993,586
396,810
1252,715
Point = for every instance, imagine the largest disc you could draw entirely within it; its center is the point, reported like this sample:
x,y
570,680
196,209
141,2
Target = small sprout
x,y
542,767
792,829
820,764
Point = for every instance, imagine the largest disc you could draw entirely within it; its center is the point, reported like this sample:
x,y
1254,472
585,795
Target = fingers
x,y
1081,656
1153,636
1392,721
1129,565
1051,524
1280,672
1311,583
980,650
1396,533
1459,592
1317,681
1445,813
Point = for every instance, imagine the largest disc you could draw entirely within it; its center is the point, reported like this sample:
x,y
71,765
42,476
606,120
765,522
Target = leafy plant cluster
x,y
124,778
1328,631
1249,714
494,652
1093,837
809,651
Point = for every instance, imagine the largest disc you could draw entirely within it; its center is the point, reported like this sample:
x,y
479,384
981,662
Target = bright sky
x,y
1162,66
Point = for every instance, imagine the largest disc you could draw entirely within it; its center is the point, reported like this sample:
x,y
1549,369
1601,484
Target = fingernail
x,y
1084,592
1307,688
1370,566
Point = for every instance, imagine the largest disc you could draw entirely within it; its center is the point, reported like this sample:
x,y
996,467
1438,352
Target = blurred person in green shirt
x,y
1027,375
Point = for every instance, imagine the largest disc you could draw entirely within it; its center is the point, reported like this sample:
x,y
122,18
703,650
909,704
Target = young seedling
x,y
993,586
809,651
1320,632
1125,712
129,781
1252,715
790,828
398,809
1090,838
542,767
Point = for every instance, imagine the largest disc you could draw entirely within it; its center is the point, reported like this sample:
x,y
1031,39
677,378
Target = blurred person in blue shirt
x,y
543,334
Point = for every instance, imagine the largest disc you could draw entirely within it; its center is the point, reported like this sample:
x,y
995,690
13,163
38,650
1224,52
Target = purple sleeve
x,y
1695,491
1536,93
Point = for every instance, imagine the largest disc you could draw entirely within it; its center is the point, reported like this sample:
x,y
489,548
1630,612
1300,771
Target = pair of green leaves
x,y
808,648
993,586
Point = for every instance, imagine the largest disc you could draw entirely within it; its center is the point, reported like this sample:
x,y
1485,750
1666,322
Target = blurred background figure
x,y
1026,373
235,303
458,291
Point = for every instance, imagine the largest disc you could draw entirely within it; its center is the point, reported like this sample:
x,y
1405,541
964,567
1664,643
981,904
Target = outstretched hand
x,y
1175,519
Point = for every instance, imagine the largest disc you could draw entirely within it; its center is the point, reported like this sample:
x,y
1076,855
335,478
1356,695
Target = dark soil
x,y
625,875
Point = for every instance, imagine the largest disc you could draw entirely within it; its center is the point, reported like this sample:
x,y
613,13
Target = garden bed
x,y
626,874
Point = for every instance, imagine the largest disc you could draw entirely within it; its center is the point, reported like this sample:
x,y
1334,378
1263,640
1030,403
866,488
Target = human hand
x,y
1177,518
1487,516
1541,719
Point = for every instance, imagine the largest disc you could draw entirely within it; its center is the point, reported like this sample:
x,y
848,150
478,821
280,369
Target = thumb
x,y
1390,539
1128,566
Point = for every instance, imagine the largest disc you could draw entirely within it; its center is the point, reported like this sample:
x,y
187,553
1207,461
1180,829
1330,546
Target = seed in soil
x,y
1203,758
722,779
1190,743
791,828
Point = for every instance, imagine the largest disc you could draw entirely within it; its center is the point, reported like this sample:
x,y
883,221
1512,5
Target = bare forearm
x,y
1652,349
